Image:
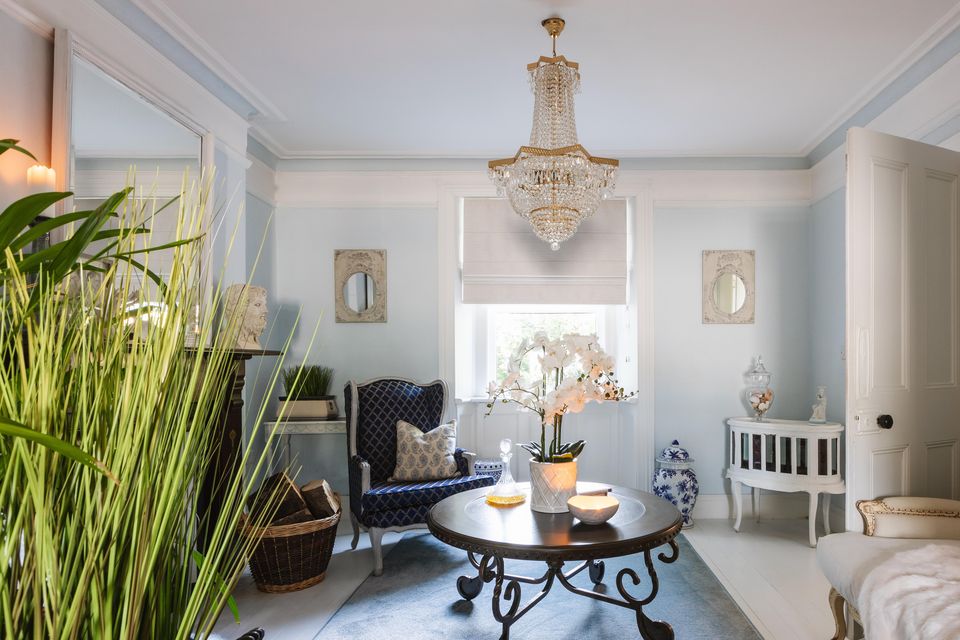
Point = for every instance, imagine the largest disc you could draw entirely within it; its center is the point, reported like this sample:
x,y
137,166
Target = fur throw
x,y
914,594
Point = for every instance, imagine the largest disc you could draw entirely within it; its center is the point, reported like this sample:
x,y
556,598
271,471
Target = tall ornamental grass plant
x,y
92,358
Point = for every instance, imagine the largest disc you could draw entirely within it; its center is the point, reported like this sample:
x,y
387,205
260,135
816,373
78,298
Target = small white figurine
x,y
820,409
245,310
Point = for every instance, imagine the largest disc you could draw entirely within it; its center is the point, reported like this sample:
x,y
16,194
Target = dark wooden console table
x,y
226,457
643,523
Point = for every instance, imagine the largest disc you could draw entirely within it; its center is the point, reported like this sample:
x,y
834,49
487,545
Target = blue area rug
x,y
416,598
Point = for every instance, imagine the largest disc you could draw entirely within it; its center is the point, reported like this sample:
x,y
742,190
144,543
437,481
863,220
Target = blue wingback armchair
x,y
373,409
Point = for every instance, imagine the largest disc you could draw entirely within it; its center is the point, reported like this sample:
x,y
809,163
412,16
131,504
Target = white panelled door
x,y
903,319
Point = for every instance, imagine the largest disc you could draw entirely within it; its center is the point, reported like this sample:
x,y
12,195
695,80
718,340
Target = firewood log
x,y
320,498
276,488
303,515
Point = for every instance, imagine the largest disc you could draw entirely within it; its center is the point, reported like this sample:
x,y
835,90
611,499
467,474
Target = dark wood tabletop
x,y
466,521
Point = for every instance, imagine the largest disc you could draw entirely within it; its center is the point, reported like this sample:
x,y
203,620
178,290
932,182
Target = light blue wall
x,y
827,283
259,228
698,367
228,226
406,345
261,240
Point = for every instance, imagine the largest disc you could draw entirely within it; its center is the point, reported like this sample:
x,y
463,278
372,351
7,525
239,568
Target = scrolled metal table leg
x,y
596,571
511,593
649,629
507,608
470,587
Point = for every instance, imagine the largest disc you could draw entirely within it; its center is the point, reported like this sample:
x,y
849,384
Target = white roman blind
x,y
505,263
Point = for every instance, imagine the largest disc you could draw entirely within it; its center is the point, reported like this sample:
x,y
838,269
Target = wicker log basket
x,y
292,557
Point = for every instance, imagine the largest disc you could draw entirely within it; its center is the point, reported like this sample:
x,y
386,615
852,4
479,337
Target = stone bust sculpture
x,y
245,312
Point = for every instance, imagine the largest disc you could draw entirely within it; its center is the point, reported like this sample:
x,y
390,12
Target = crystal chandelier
x,y
553,182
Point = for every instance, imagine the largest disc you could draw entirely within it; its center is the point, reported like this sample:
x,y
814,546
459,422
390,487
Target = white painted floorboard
x,y
301,614
770,570
767,568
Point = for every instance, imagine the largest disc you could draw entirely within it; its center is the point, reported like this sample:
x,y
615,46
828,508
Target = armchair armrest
x,y
911,517
465,461
359,471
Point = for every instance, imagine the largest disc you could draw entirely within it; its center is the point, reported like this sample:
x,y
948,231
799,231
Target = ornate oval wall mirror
x,y
729,292
729,286
360,285
359,291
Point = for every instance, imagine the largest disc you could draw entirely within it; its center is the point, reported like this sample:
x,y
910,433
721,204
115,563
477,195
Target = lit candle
x,y
41,178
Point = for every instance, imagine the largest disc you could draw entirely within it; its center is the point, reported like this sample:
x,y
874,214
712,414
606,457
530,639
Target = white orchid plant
x,y
574,370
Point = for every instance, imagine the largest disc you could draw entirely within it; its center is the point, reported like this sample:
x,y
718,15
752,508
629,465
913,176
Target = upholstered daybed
x,y
900,578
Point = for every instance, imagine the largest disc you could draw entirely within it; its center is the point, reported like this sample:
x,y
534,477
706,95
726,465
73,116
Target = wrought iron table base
x,y
506,589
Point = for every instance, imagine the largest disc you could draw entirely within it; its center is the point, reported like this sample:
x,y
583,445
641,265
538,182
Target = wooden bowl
x,y
593,509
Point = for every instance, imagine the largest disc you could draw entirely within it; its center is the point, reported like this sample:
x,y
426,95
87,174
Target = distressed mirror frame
x,y
717,263
346,262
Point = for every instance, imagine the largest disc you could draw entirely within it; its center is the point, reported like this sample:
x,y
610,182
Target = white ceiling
x,y
660,78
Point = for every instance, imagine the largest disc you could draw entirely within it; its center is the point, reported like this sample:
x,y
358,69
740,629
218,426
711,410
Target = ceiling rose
x,y
553,182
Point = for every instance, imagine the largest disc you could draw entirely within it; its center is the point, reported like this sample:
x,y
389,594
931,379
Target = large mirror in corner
x,y
118,138
110,131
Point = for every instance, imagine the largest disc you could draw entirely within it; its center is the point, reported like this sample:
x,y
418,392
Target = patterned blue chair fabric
x,y
386,496
379,405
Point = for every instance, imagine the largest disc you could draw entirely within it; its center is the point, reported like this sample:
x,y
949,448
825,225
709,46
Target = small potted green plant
x,y
308,389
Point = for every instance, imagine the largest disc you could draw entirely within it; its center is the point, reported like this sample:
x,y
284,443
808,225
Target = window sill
x,y
484,400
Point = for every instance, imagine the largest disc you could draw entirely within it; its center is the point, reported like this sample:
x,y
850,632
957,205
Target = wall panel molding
x,y
898,456
947,480
261,180
362,189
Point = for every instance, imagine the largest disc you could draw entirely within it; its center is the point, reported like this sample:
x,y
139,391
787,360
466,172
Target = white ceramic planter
x,y
322,408
551,485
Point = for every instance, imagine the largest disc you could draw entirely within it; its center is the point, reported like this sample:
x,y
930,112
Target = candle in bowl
x,y
593,509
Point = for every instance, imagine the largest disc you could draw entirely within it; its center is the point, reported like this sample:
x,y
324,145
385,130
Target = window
x,y
488,334
510,326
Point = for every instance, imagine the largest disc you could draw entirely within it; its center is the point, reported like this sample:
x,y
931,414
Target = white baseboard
x,y
773,505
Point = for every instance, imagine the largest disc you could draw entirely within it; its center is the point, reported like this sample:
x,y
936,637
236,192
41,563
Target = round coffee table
x,y
642,523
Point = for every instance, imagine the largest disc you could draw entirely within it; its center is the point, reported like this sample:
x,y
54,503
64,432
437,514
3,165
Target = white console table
x,y
291,426
785,455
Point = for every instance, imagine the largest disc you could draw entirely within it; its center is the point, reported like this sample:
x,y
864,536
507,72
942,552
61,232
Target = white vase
x,y
551,485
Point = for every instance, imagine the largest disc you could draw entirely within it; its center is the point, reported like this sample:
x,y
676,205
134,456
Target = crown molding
x,y
272,145
915,53
167,19
27,18
706,155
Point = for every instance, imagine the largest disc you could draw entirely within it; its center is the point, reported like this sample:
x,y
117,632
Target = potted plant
x,y
308,388
553,378
107,548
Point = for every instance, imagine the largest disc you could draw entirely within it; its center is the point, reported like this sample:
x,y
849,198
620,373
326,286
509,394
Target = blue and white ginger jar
x,y
675,480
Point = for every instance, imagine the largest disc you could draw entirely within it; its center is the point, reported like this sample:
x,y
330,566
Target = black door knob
x,y
885,421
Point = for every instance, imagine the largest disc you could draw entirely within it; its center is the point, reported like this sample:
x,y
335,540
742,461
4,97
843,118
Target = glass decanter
x,y
506,491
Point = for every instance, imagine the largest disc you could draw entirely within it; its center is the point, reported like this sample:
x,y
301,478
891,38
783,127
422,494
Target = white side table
x,y
291,427
785,455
